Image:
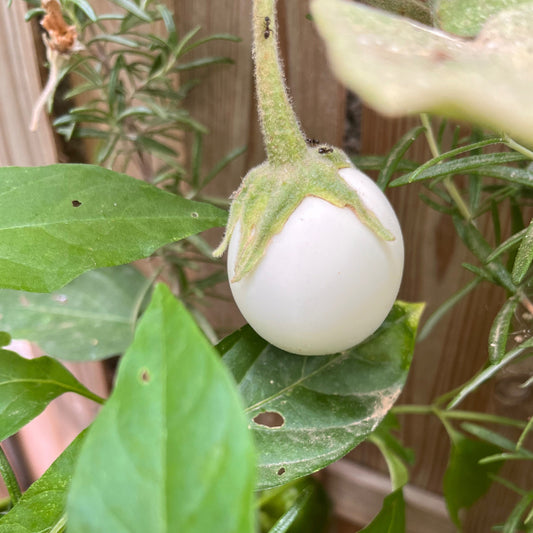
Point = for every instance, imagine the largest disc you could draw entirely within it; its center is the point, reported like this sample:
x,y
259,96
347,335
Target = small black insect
x,y
325,150
312,142
76,203
268,29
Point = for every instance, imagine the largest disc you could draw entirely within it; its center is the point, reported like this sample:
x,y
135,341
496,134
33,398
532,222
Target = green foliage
x,y
5,338
466,17
170,451
466,480
394,453
133,105
415,9
524,257
92,317
42,506
27,386
298,507
399,67
326,405
391,518
59,221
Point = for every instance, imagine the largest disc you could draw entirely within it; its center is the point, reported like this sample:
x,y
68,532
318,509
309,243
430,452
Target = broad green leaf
x,y
27,386
466,17
391,518
42,506
170,451
59,221
90,318
465,480
321,407
302,506
524,257
401,67
499,331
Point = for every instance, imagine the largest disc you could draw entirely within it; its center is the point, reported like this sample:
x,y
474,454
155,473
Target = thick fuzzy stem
x,y
284,141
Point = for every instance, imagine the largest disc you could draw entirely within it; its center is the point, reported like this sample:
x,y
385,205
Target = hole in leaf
x,y
145,375
270,419
281,471
76,203
194,214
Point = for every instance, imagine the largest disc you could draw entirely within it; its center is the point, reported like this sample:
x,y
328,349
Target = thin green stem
x,y
283,138
517,147
453,191
412,410
527,429
59,526
5,504
457,415
430,137
511,486
448,182
452,433
9,478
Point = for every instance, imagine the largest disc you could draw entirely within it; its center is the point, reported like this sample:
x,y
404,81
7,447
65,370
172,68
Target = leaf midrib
x,y
133,218
76,313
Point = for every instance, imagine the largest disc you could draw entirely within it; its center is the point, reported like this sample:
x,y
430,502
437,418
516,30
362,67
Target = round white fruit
x,y
326,281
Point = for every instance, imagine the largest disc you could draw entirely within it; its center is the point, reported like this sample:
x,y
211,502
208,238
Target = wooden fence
x,y
225,102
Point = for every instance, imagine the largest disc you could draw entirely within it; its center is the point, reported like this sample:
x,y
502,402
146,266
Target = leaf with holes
x,y
59,221
90,318
27,386
171,449
400,67
306,411
42,506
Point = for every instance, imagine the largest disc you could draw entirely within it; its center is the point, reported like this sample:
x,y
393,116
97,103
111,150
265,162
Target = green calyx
x,y
271,192
269,195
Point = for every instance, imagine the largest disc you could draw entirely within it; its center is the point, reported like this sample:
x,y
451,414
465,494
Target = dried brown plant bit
x,y
62,37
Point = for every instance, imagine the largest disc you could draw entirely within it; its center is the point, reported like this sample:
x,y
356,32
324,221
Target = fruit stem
x,y
282,136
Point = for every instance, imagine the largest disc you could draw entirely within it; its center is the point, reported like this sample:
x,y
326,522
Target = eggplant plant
x,y
201,434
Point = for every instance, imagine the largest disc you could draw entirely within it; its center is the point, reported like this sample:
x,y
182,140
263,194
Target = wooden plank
x,y
20,87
